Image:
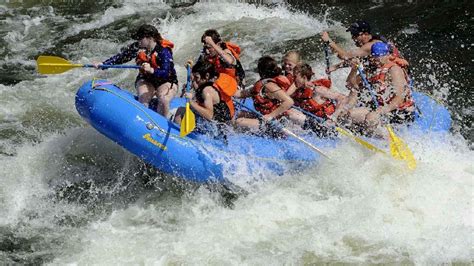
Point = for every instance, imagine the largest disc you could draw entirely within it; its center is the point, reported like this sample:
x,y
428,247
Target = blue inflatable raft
x,y
116,113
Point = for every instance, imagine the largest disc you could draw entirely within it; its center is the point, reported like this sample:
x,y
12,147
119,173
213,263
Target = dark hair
x,y
147,30
216,38
304,69
267,67
203,68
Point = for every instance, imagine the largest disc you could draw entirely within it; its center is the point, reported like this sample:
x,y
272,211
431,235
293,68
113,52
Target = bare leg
x,y
353,80
374,124
250,123
357,115
165,93
145,92
179,115
246,120
296,117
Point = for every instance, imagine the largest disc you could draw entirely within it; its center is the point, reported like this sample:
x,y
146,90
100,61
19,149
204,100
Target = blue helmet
x,y
379,49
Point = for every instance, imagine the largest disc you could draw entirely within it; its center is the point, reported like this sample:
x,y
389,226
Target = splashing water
x,y
69,195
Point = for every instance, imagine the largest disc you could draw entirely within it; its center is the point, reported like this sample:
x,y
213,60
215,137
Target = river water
x,y
70,195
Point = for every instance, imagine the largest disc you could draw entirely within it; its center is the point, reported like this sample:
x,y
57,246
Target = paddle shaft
x,y
371,89
113,66
315,117
285,130
188,79
340,130
55,65
367,84
188,122
188,89
326,55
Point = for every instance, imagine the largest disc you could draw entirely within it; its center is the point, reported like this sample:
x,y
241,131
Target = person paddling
x,y
213,91
390,82
315,97
362,37
269,96
157,76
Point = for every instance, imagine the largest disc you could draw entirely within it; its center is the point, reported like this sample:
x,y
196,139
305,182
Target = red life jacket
x,y
290,77
142,56
381,87
303,98
226,86
227,68
262,103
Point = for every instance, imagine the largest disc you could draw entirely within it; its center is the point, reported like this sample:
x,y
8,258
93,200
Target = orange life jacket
x,y
226,86
234,49
262,103
227,68
381,87
303,98
142,56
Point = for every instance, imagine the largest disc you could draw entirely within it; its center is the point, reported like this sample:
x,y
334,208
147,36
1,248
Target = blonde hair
x,y
293,56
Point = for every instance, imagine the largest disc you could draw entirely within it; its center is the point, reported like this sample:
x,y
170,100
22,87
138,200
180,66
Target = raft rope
x,y
98,86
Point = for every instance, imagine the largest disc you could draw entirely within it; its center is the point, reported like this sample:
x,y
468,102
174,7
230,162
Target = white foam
x,y
363,208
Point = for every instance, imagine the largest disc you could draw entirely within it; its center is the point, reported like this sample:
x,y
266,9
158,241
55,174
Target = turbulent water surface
x,y
70,195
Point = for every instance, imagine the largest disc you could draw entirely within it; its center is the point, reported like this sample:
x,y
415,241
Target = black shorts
x,y
156,82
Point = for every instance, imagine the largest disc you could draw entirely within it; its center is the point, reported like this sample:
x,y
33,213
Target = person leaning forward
x,y
390,85
363,39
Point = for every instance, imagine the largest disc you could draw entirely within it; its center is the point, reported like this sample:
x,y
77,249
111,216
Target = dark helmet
x,y
359,27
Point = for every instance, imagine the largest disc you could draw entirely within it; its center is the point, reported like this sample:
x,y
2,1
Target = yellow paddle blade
x,y
359,140
399,149
54,65
188,123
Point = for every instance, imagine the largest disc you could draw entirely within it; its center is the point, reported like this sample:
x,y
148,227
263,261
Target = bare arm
x,y
275,92
348,102
206,110
291,89
399,84
343,54
337,66
224,54
330,94
341,99
362,51
353,81
352,84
